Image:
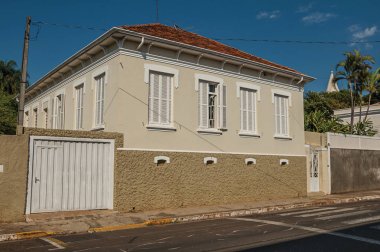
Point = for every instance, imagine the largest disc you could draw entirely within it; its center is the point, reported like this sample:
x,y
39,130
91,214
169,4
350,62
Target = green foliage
x,y
320,121
10,78
364,128
8,114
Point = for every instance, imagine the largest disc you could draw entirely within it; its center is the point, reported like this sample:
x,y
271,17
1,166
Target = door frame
x,y
311,170
67,139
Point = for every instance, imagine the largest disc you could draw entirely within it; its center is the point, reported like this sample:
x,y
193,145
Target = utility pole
x,y
23,74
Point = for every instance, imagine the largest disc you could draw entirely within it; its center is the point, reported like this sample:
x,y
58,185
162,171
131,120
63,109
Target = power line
x,y
38,23
69,26
297,41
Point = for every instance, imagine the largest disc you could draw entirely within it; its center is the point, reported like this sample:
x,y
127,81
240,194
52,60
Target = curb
x,y
25,235
189,218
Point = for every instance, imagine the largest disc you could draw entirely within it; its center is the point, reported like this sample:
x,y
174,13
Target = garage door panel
x,y
71,175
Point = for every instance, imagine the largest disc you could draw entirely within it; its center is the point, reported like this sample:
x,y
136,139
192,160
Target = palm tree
x,y
350,69
10,77
371,85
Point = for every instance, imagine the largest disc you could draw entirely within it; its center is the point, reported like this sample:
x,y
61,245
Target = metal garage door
x,y
67,174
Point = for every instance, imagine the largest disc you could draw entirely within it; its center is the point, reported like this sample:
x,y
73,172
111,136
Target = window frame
x,y
100,125
161,126
76,108
287,96
55,111
257,98
221,107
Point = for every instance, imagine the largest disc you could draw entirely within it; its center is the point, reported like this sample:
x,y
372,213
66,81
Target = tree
x,y
8,114
353,69
10,77
372,84
320,121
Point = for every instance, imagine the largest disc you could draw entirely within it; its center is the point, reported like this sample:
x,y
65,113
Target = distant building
x,y
332,86
373,115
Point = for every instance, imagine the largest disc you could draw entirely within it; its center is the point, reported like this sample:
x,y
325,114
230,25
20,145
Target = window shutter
x,y
277,114
154,99
203,105
222,106
250,110
62,112
165,100
54,112
243,98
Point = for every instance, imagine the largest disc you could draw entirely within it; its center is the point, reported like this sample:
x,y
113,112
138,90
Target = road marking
x,y
326,212
55,242
356,221
314,230
343,215
308,211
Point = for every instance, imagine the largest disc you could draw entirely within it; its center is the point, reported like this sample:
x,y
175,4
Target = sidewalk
x,y
101,221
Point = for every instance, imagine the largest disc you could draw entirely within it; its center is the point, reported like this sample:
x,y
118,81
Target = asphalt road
x,y
343,227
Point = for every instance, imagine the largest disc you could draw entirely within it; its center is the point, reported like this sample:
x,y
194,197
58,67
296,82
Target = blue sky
x,y
271,19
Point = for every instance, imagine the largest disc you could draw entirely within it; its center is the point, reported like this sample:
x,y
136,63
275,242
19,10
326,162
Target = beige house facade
x,y
202,103
224,125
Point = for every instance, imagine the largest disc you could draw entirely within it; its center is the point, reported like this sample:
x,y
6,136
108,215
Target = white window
x,y
248,122
99,100
59,112
45,108
35,116
160,99
79,107
26,119
281,104
212,105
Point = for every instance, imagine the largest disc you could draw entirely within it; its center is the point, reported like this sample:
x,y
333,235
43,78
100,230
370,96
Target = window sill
x,y
161,128
98,128
283,137
249,134
210,131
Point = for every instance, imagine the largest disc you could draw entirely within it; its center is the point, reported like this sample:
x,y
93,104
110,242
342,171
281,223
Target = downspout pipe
x,y
141,43
301,80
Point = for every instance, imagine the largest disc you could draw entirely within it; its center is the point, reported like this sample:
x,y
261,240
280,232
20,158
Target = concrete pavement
x,y
337,227
41,225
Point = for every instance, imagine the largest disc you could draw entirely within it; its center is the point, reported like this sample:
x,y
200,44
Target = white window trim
x,y
206,77
256,88
95,74
36,111
78,82
283,93
160,127
48,101
289,96
56,93
247,85
76,85
161,69
27,110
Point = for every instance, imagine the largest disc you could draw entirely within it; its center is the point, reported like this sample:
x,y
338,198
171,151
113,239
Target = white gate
x,y
314,172
67,174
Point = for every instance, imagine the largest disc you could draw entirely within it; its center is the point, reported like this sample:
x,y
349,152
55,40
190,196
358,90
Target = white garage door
x,y
67,174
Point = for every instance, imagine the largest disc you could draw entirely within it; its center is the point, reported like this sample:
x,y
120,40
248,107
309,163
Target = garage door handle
x,y
36,179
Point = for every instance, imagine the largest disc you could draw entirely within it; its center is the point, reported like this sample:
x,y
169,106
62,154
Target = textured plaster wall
x,y
14,158
186,181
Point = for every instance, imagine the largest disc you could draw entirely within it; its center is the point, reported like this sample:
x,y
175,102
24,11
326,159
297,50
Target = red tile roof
x,y
193,39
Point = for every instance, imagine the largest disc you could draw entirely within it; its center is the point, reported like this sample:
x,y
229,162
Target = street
x,y
343,227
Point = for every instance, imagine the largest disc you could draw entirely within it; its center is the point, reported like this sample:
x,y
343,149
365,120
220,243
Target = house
x,y
373,115
227,126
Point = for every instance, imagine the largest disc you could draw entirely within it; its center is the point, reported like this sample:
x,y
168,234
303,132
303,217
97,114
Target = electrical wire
x,y
38,23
